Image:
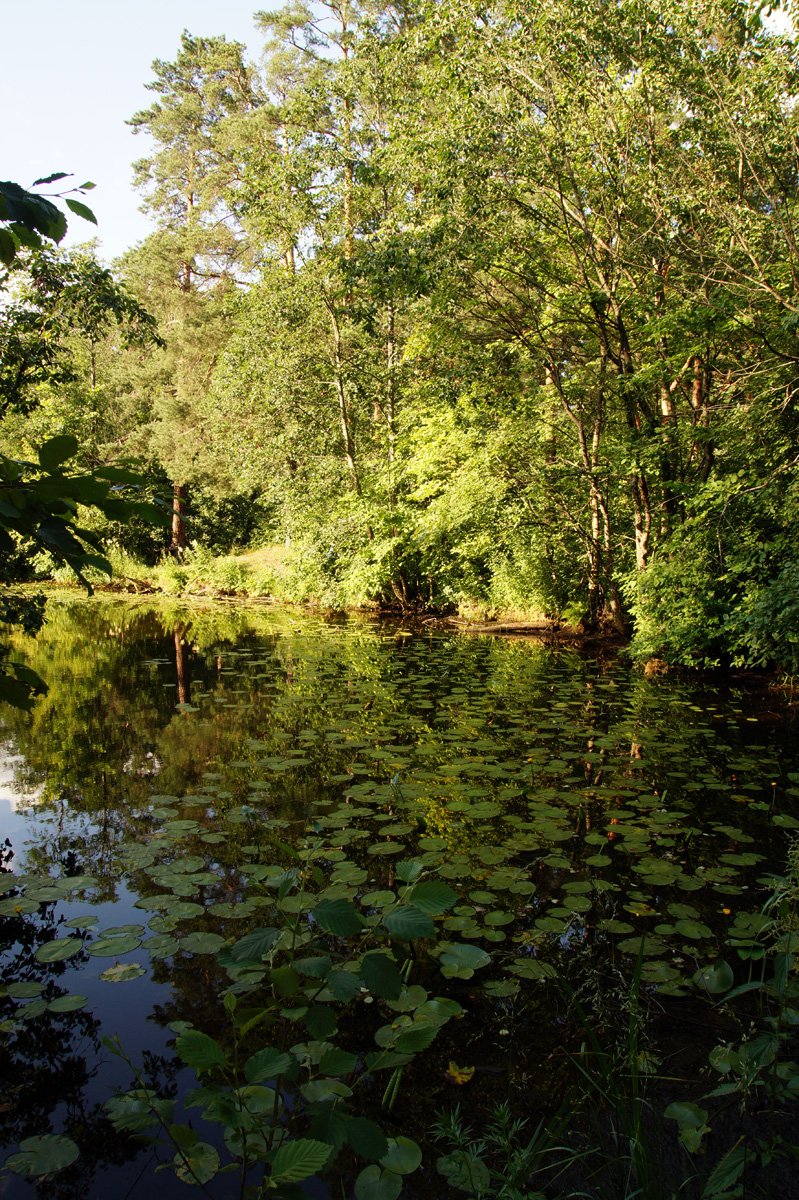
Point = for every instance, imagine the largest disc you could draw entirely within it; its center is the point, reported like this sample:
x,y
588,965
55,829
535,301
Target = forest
x,y
459,307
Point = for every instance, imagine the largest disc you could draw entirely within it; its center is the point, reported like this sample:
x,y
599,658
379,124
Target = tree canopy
x,y
485,307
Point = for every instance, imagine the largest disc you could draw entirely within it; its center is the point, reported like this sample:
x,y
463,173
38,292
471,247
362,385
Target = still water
x,y
574,805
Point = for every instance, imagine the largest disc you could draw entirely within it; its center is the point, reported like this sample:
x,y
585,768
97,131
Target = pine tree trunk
x,y
178,545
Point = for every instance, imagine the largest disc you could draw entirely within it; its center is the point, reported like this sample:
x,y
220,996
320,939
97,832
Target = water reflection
x,y
572,802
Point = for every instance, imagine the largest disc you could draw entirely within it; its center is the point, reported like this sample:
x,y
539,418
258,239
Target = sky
x,y
73,71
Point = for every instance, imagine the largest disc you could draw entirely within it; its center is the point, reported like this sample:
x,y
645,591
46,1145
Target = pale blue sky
x,y
73,71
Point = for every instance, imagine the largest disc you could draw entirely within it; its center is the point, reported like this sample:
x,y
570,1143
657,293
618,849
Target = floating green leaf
x,y
375,1183
43,1155
461,961
122,972
197,1163
112,947
65,1004
25,989
715,978
201,943
404,1156
58,949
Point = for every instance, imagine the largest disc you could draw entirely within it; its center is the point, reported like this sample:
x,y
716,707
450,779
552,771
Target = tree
x,y
556,191
40,500
186,270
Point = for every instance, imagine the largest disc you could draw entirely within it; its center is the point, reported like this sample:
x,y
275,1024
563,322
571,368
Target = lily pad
x,y
64,1004
43,1155
121,972
58,949
112,947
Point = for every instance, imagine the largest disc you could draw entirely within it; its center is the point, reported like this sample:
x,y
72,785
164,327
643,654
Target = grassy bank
x,y
280,573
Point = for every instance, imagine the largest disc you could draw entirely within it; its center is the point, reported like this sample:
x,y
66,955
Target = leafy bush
x,y
768,627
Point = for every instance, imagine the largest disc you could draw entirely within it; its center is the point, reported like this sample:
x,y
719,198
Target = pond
x,y
490,819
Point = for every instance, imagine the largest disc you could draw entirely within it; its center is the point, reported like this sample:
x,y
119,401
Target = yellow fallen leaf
x,y
459,1074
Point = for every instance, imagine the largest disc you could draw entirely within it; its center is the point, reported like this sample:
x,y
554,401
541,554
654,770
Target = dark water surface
x,y
573,804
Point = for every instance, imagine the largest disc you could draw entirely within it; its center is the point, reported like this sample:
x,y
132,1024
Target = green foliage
x,y
65,305
27,217
768,625
500,1163
39,502
292,962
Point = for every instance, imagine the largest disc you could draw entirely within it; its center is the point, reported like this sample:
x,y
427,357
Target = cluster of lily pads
x,y
548,798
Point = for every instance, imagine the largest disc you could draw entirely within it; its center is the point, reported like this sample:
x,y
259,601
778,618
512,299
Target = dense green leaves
x,y
339,917
200,1051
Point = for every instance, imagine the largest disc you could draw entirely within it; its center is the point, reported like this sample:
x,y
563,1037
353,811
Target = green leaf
x,y
465,1170
727,1172
432,896
374,1183
343,984
17,906
285,981
65,1004
339,917
112,947
409,922
691,1121
461,961
138,1110
404,1156
119,475
256,944
25,990
58,949
8,247
81,210
409,872
366,1138
43,1155
200,1051
57,450
150,513
415,1038
329,1123
298,1160
267,1064
716,978
183,1136
99,563
197,1164
320,1022
692,929
337,1062
202,943
314,968
122,972
380,975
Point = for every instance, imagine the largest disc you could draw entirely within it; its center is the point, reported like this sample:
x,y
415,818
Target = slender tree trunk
x,y
700,397
179,494
391,395
182,659
341,395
